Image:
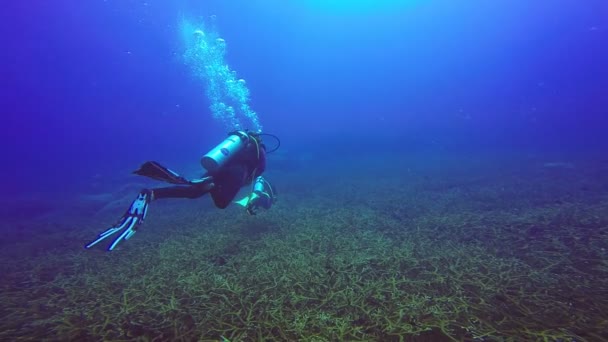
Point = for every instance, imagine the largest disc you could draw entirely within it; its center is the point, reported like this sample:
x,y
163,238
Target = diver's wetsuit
x,y
227,180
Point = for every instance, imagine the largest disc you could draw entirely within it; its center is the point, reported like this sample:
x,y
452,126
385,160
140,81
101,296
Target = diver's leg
x,y
156,171
187,191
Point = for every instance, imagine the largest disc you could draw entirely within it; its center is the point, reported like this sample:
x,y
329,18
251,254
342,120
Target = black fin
x,y
156,171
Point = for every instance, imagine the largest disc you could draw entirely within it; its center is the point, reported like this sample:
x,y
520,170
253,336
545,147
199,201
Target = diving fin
x,y
244,202
156,171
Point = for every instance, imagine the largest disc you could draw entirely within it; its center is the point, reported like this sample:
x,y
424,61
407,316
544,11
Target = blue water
x,y
91,89
94,88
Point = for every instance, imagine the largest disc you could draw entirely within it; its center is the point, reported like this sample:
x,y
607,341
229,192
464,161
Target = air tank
x,y
223,152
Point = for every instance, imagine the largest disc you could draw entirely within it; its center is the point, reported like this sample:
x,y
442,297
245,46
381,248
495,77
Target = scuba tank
x,y
259,186
223,152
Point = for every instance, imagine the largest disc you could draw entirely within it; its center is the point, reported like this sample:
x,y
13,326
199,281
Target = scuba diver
x,y
238,161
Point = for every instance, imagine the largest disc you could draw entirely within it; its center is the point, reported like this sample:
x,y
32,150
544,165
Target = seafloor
x,y
429,248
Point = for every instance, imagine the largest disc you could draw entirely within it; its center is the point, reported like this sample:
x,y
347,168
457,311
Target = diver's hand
x,y
257,200
128,223
252,209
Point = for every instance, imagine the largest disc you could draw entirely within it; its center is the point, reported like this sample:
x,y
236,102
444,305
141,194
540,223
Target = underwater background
x,y
442,172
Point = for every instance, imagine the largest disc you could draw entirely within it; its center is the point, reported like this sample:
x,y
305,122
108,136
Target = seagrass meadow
x,y
416,249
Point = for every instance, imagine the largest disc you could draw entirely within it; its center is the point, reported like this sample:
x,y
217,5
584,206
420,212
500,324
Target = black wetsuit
x,y
239,171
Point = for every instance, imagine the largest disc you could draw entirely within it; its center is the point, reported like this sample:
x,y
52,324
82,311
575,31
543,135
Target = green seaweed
x,y
436,267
